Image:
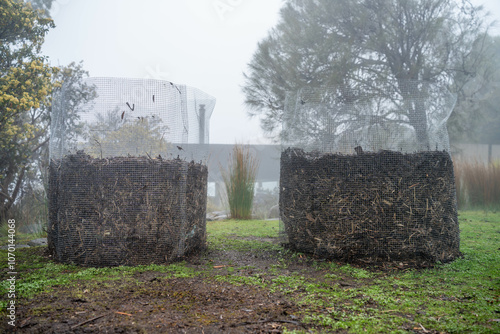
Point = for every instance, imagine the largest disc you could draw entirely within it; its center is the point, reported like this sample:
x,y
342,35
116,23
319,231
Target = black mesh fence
x,y
369,177
123,190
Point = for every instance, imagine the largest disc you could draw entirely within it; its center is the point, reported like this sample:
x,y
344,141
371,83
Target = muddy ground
x,y
154,302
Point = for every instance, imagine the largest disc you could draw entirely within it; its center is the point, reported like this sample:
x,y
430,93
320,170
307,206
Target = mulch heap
x,y
371,207
125,210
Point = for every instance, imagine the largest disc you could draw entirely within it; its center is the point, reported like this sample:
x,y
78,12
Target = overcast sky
x,y
205,44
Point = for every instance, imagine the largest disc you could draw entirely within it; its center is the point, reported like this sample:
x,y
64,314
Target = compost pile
x,y
371,207
125,210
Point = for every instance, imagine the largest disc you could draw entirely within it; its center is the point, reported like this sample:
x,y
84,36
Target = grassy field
x,y
323,296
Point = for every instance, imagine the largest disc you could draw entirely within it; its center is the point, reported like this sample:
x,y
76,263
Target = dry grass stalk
x,y
479,184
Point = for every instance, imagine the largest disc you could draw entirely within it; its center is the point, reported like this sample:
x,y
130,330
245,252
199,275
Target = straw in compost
x,y
376,207
125,210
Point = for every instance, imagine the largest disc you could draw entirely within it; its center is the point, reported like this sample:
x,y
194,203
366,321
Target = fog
x,y
206,44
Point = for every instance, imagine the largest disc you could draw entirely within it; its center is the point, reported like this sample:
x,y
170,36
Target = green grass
x,y
462,296
244,228
243,235
459,297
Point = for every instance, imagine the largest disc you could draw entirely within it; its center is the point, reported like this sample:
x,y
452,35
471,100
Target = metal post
x,y
202,124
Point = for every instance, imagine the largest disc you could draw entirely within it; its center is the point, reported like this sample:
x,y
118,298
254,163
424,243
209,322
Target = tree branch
x,y
40,145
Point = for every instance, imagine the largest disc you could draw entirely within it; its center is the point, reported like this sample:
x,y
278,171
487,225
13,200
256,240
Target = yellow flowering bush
x,y
25,88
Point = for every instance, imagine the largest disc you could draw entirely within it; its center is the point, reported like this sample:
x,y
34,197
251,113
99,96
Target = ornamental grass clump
x,y
239,179
478,185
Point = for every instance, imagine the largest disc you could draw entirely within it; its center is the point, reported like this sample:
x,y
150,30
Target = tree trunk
x,y
414,101
6,204
418,119
490,152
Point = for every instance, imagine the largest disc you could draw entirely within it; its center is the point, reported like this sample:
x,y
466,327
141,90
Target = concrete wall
x,y
218,155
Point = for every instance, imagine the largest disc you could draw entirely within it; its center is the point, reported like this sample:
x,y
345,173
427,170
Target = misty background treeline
x,y
362,45
373,46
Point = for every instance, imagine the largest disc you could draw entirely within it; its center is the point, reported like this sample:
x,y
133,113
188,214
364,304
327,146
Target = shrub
x,y
239,179
478,184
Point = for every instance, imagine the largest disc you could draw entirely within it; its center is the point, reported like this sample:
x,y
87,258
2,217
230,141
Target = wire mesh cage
x,y
125,186
369,177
